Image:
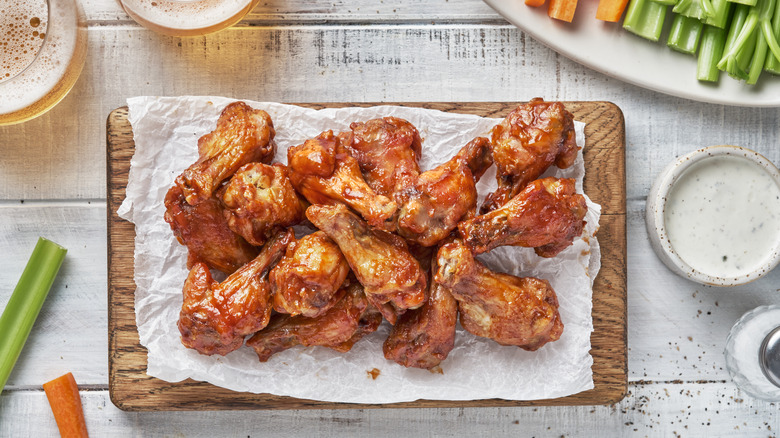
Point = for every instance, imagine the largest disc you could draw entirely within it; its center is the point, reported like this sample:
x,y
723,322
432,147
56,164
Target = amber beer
x,y
43,44
187,17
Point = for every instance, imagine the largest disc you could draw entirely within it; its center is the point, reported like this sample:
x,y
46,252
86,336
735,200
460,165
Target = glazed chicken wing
x,y
387,150
443,196
260,200
324,172
242,135
423,337
339,328
307,278
215,317
528,141
547,216
392,277
510,310
204,230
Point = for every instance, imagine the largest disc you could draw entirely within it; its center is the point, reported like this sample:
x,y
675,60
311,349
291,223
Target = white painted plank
x,y
342,10
70,333
662,409
347,63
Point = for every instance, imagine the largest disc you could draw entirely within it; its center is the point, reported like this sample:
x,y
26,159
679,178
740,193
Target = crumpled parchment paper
x,y
166,130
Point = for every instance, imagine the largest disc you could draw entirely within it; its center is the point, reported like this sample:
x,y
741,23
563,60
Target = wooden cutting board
x,y
133,390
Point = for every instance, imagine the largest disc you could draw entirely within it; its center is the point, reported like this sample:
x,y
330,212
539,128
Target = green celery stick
x,y
667,2
772,64
721,16
690,8
741,13
645,18
26,302
713,40
744,56
684,34
757,62
745,2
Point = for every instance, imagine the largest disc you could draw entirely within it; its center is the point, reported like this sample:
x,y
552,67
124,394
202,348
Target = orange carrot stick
x,y
534,3
562,9
611,10
65,402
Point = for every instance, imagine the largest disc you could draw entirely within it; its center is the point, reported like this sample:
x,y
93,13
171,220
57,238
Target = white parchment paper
x,y
166,130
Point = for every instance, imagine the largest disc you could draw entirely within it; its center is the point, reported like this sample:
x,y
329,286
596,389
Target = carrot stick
x,y
65,402
562,9
534,3
611,10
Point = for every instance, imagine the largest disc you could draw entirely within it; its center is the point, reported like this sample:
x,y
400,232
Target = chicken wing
x,y
387,150
392,277
322,170
242,135
444,195
260,200
510,310
528,141
215,317
423,337
547,216
307,278
204,230
339,328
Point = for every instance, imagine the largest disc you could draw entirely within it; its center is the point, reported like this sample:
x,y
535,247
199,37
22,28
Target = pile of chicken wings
x,y
392,242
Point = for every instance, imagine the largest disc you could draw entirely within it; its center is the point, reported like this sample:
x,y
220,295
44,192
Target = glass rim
x,y
40,50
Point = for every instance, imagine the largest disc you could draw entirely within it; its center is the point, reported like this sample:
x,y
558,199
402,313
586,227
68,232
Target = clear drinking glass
x,y
187,17
753,353
43,45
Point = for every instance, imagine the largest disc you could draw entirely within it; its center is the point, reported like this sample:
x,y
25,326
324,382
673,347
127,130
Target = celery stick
x,y
645,18
772,64
713,40
745,2
744,56
690,8
26,301
721,16
733,44
667,2
757,62
684,34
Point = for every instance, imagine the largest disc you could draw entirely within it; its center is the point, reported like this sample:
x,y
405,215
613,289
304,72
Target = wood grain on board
x,y
132,389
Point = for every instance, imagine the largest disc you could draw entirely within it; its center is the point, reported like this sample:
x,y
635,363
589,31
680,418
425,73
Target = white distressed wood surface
x,y
365,50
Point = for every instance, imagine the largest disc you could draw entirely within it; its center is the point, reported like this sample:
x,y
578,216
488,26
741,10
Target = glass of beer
x,y
43,45
187,17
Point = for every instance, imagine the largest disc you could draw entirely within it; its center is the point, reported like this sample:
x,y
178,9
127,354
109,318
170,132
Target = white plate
x,y
608,48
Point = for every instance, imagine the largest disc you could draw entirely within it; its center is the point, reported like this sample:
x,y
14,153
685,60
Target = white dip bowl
x,y
713,216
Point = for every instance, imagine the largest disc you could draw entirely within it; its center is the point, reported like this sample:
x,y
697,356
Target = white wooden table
x,y
52,184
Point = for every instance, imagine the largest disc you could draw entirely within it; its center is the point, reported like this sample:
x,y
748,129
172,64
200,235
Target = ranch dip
x,y
722,216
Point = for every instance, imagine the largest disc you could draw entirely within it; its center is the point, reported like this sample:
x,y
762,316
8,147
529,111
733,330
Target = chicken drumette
x,y
528,141
443,196
215,317
260,200
204,230
307,278
242,135
324,172
508,309
423,337
339,328
547,216
387,150
392,277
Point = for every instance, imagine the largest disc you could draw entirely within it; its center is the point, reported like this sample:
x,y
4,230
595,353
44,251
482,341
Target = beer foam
x,y
186,15
53,59
23,27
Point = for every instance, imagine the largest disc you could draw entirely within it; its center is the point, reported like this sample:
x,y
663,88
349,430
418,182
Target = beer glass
x,y
187,17
43,45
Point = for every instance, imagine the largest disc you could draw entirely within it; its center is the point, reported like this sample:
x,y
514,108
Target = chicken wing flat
x,y
527,142
423,337
388,150
547,216
242,135
339,328
204,230
443,196
260,200
307,278
508,309
392,277
324,172
215,317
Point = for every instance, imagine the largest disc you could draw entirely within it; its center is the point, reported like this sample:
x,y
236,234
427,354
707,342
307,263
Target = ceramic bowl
x,y
656,203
